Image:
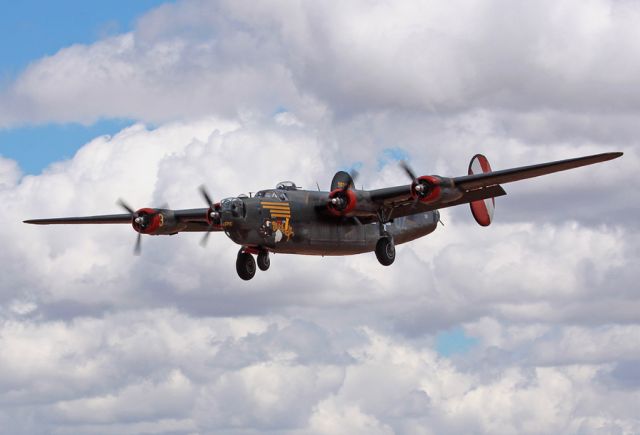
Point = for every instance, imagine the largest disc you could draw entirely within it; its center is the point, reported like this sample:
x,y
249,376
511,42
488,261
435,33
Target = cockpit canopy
x,y
279,192
286,185
272,194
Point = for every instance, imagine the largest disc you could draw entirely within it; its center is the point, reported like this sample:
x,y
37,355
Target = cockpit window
x,y
272,194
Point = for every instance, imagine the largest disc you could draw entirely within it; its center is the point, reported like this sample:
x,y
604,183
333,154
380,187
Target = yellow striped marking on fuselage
x,y
277,209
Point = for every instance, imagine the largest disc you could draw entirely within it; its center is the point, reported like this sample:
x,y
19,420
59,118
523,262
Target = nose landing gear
x,y
263,260
246,264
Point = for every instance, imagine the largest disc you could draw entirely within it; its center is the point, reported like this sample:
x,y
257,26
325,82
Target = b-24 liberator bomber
x,y
342,221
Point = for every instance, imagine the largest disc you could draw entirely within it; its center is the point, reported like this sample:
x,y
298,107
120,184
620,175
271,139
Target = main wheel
x,y
385,251
245,266
263,260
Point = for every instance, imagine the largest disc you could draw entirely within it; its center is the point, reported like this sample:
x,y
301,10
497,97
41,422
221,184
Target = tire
x,y
264,261
385,251
245,266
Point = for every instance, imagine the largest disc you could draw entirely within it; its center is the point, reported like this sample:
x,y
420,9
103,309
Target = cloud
x,y
161,369
224,58
9,173
176,325
243,96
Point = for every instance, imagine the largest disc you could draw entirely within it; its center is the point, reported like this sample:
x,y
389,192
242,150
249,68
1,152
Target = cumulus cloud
x,y
337,366
209,57
245,95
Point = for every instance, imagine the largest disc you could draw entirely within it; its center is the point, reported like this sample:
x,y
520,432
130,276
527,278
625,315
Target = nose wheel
x,y
264,261
245,265
386,251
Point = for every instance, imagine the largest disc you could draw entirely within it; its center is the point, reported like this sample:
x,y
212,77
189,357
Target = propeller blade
x,y
138,246
126,206
205,195
205,238
354,176
407,169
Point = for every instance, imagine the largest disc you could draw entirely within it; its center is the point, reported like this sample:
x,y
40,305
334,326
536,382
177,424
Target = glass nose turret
x,y
233,207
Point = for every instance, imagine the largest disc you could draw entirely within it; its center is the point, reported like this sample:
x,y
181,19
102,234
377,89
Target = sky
x,y
528,326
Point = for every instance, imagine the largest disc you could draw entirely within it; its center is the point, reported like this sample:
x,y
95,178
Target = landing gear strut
x,y
263,260
385,250
245,265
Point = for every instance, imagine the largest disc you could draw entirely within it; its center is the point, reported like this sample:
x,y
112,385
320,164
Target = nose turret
x,y
232,208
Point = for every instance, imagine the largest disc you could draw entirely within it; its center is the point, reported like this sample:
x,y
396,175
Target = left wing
x,y
440,192
410,207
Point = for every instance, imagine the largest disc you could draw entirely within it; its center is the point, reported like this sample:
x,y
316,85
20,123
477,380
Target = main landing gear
x,y
246,264
386,250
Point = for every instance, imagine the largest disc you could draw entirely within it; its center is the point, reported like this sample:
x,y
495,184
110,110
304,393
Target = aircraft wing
x,y
123,218
477,186
476,181
194,218
411,207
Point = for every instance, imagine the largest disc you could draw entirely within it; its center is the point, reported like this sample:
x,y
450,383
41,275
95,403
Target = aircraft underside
x,y
330,239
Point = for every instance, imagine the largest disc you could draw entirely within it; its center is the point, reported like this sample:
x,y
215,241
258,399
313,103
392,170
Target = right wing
x,y
124,218
189,219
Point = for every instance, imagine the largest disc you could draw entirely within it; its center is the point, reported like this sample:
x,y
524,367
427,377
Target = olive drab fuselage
x,y
293,222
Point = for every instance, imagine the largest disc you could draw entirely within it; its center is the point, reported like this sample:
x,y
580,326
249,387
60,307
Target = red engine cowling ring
x,y
434,188
349,196
157,220
214,208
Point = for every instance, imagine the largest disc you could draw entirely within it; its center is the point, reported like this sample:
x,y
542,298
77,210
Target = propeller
x,y
138,220
404,165
420,187
212,215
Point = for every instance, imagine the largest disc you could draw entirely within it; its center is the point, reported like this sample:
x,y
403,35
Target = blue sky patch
x,y
35,147
454,341
391,155
31,29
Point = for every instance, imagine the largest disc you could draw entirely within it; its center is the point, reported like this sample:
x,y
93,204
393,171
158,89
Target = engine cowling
x,y
341,202
426,188
147,220
214,217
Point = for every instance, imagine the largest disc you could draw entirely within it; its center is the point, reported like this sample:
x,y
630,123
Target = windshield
x,y
272,194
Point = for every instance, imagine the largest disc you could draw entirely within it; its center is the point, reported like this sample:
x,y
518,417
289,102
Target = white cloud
x,y
96,341
9,173
201,57
162,370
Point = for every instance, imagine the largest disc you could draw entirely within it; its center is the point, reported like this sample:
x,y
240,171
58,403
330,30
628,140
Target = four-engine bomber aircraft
x,y
343,221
